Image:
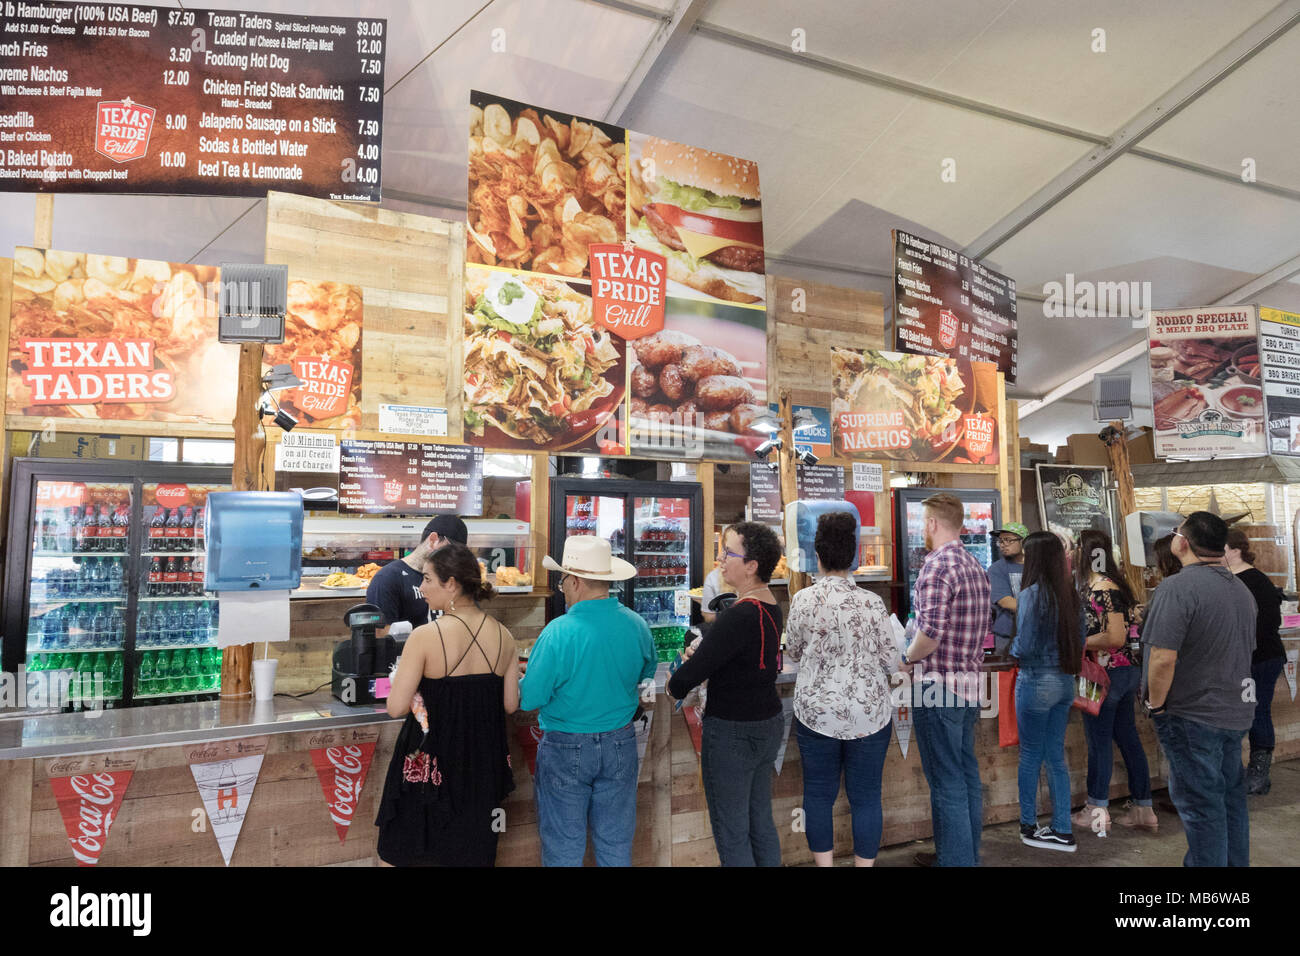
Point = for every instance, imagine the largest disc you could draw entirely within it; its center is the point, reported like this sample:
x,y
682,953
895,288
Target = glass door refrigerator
x,y
983,516
655,526
103,576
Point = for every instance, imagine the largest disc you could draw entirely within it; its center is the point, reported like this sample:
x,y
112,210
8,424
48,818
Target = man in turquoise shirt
x,y
584,675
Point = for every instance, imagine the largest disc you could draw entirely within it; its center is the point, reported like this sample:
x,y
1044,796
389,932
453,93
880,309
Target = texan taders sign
x,y
122,130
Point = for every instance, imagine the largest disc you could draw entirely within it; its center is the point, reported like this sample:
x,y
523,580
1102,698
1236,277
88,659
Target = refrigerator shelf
x,y
173,647
658,554
51,603
80,554
668,587
117,649
173,554
178,597
179,693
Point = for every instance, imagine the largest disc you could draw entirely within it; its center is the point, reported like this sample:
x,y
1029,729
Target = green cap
x,y
1014,527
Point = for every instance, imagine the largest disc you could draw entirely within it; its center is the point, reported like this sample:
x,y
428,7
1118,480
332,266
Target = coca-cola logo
x,y
88,803
342,772
170,496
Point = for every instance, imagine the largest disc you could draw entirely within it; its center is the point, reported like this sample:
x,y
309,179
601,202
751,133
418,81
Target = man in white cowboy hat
x,y
584,675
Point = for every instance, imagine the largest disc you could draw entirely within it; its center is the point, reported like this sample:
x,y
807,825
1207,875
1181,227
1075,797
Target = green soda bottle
x,y
176,673
115,677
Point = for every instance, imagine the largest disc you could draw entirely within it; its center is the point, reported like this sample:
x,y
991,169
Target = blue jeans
x,y
581,779
737,760
1043,699
861,761
945,736
1117,721
1265,675
1208,786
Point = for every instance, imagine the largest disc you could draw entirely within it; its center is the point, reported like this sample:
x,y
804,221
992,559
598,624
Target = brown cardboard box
x,y
1142,450
78,445
1063,455
1088,449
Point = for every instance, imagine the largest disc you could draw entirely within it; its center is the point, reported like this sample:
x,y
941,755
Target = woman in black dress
x,y
1269,658
457,679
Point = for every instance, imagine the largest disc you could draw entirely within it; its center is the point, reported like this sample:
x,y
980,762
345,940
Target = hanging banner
x,y
529,737
642,726
89,792
1277,367
1290,669
903,728
117,339
225,773
950,305
1074,498
694,726
914,407
1205,386
341,767
127,98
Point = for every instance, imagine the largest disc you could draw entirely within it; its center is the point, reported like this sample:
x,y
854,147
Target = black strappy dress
x,y
442,788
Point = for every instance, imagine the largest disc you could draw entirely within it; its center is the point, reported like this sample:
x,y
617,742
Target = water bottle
x,y
98,630
171,624
116,578
188,637
203,624
119,627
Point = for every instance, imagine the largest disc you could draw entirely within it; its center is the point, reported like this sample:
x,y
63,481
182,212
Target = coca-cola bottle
x,y
78,529
121,525
199,543
173,531
157,529
155,586
170,574
186,539
104,530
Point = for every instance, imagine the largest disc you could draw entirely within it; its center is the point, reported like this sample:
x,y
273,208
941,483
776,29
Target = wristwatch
x,y
1152,711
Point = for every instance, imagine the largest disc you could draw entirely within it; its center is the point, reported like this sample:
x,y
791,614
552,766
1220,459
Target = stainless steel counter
x,y
133,728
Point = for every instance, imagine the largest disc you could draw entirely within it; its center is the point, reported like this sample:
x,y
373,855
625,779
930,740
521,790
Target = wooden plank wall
x,y
799,343
410,269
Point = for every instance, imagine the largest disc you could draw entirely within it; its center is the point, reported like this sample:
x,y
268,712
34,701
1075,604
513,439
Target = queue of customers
x,y
589,673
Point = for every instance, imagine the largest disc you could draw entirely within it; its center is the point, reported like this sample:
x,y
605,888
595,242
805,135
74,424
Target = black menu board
x,y
946,303
409,478
110,97
812,482
1074,498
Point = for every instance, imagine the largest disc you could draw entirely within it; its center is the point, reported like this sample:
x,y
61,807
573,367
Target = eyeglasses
x,y
732,554
1179,534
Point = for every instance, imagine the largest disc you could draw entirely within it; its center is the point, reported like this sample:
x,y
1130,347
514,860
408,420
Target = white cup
x,y
264,678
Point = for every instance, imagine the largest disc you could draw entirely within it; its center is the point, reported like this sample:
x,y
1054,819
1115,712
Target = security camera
x,y
285,420
765,449
807,458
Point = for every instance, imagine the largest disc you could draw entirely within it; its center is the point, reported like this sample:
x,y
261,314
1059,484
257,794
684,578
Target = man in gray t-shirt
x,y
1198,640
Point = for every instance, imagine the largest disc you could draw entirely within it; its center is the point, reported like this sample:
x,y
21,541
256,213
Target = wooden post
x,y
789,481
246,475
1011,425
43,234
1009,504
539,521
1117,451
704,471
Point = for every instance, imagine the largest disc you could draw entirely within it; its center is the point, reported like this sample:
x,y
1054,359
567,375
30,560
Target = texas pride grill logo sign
x,y
628,286
122,129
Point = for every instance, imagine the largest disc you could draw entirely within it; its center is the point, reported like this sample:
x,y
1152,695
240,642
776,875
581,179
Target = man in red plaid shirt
x,y
951,600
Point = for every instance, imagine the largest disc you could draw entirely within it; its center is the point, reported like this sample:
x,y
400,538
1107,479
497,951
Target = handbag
x,y
1091,686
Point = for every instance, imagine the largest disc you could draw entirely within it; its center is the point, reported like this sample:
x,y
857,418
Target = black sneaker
x,y
1027,831
1048,839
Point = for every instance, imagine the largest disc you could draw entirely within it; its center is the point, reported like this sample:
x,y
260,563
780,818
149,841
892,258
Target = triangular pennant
x,y
529,736
642,725
88,804
226,787
695,727
1290,669
787,711
342,771
903,727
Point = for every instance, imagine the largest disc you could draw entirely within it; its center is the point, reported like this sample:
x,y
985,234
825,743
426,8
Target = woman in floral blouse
x,y
840,635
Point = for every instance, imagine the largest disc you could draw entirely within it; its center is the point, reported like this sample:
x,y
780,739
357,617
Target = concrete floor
x,y
1274,836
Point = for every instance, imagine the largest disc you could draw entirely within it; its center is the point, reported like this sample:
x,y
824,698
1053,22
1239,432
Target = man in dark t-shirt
x,y
395,590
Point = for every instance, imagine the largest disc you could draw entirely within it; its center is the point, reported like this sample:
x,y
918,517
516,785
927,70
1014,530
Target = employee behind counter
x,y
395,590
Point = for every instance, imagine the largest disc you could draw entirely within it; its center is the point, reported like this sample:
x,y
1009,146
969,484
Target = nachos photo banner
x,y
127,98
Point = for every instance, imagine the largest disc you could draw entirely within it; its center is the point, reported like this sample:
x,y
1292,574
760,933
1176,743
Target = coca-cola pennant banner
x,y
342,770
226,773
89,792
529,736
1290,670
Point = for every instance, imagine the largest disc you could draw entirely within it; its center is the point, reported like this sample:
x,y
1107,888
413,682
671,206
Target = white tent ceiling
x,y
1116,165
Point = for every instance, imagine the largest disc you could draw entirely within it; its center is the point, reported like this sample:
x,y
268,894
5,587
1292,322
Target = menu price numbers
x,y
370,28
352,173
171,159
180,18
372,67
176,77
176,120
367,127
180,54
370,47
368,151
369,94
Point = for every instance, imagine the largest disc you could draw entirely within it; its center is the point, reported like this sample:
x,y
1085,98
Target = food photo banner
x,y
948,304
125,98
914,407
615,290
97,337
1205,385
1277,368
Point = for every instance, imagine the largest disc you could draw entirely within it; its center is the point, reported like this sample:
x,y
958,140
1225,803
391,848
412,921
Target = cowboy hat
x,y
586,556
